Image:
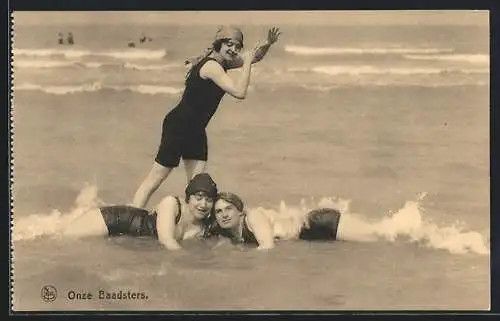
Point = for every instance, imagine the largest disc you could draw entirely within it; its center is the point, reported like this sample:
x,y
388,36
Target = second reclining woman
x,y
259,228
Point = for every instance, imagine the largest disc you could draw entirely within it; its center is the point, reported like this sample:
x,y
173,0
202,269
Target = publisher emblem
x,y
48,293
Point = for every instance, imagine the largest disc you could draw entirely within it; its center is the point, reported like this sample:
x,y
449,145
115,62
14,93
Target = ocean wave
x,y
367,70
408,224
54,223
45,64
321,51
49,64
472,58
152,67
97,86
125,54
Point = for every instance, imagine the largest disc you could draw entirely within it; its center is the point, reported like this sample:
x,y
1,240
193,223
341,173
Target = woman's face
x,y
230,49
200,205
226,214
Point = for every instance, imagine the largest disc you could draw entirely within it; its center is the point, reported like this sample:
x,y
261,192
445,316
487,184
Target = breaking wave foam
x,y
322,51
125,54
472,58
54,223
408,224
49,64
94,87
373,70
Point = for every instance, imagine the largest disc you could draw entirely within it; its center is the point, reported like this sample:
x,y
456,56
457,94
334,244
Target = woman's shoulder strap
x,y
179,210
246,234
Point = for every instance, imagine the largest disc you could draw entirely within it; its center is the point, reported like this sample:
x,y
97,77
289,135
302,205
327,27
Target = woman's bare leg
x,y
154,179
353,228
194,167
90,223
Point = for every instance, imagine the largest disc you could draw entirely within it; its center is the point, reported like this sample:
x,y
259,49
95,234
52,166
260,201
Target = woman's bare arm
x,y
272,36
262,229
166,212
236,88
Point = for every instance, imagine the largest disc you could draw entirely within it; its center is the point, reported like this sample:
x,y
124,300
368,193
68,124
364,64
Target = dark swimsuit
x,y
183,133
133,221
323,224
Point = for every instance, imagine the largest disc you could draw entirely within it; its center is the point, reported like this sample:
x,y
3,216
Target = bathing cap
x,y
232,198
229,32
202,183
224,32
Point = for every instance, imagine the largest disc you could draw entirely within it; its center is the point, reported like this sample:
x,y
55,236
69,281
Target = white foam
x,y
97,86
321,51
150,67
48,64
472,58
53,224
407,225
59,90
409,222
374,70
150,89
133,54
40,64
125,54
68,53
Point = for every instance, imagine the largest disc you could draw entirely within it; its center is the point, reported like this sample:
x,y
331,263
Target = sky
x,y
437,17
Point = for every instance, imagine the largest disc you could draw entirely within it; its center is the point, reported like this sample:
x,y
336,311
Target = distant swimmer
x,y
60,38
258,228
71,39
184,127
172,220
145,38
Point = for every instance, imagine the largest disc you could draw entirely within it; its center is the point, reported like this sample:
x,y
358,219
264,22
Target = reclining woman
x,y
258,228
170,222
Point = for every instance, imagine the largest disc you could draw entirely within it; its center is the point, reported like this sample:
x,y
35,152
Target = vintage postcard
x,y
244,160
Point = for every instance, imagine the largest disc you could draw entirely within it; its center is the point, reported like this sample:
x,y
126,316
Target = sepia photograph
x,y
250,160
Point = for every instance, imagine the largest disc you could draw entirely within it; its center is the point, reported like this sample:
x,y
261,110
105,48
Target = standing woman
x,y
183,133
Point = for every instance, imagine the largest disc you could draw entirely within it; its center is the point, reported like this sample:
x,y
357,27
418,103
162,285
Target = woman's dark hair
x,y
216,45
210,226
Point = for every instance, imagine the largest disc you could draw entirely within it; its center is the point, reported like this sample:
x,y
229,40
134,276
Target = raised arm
x,y
262,229
166,212
236,88
272,36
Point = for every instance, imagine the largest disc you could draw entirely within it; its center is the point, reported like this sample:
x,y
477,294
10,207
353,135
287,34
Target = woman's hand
x,y
273,35
173,246
249,55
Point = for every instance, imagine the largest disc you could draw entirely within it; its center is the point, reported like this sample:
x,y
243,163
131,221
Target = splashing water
x,y
53,224
407,224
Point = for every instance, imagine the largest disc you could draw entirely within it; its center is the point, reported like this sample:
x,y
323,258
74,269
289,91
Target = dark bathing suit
x,y
133,221
322,222
183,133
